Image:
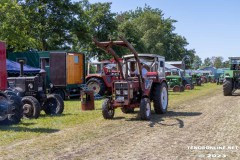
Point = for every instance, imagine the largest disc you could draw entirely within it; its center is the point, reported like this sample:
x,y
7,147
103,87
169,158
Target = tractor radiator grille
x,y
121,89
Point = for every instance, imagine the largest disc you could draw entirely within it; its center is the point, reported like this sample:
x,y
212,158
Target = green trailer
x,y
65,71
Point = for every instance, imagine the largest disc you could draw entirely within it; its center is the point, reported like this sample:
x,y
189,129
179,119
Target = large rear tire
x,y
227,87
60,92
145,109
31,107
107,110
16,108
97,85
160,99
53,105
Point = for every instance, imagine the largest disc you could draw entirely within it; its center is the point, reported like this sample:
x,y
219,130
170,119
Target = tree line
x,y
215,61
66,25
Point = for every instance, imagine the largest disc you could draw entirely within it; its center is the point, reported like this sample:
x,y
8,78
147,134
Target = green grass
x,y
73,116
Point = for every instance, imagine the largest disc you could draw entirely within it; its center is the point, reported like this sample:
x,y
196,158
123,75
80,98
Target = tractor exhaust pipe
x,y
21,68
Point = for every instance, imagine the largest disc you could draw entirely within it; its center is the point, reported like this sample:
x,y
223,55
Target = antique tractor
x,y
136,90
186,78
232,77
220,79
174,80
196,79
33,92
100,76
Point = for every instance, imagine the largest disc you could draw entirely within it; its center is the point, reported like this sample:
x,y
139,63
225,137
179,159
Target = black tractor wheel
x,y
31,107
53,105
227,87
97,85
182,88
107,110
60,92
4,104
145,109
160,99
16,108
127,110
199,83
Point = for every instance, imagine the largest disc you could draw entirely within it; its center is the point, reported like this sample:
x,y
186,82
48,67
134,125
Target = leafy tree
x,y
217,62
14,27
207,62
197,62
150,32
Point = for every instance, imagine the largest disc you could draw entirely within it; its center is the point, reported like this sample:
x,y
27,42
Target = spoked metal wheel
x,y
31,107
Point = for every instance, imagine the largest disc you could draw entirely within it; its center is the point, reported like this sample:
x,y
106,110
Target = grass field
x,y
73,116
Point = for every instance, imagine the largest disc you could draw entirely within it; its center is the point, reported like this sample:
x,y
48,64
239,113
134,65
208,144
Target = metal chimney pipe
x,y
21,68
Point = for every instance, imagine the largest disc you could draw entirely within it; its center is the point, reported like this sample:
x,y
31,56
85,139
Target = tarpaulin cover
x,y
14,67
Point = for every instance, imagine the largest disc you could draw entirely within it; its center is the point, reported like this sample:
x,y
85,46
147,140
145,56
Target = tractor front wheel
x,y
31,107
227,87
53,105
145,109
107,110
160,99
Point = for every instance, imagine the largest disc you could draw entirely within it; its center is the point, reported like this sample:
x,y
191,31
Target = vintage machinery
x,y
135,90
33,92
100,76
174,80
186,78
196,79
232,77
220,79
71,65
10,103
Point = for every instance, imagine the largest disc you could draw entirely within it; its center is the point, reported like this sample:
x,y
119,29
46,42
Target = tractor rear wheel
x,y
97,85
145,109
227,87
16,108
127,110
107,110
160,99
60,92
31,107
53,105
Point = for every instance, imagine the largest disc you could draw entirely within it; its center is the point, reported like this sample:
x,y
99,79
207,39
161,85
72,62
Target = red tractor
x,y
136,89
101,75
10,104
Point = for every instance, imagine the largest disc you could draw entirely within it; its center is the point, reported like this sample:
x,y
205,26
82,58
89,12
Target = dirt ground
x,y
203,128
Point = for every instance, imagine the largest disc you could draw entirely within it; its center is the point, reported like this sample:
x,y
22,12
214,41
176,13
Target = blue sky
x,y
212,27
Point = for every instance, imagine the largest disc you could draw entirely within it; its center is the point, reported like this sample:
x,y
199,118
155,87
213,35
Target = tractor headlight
x,y
125,92
30,86
51,85
118,92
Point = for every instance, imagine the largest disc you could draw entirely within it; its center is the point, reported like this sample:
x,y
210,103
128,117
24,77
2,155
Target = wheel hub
x,y
27,109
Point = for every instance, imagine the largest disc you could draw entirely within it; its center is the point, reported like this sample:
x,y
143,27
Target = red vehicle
x,y
136,90
101,75
10,103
